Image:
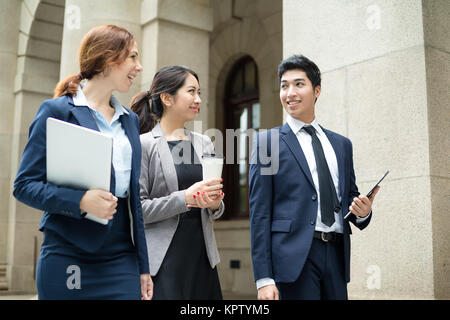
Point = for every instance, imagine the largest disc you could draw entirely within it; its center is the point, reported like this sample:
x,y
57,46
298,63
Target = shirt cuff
x,y
359,219
264,282
218,213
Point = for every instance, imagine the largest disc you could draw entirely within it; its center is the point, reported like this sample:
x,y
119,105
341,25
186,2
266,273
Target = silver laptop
x,y
78,157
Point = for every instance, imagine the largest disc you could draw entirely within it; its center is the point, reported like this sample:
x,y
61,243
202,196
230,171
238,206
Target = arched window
x,y
242,111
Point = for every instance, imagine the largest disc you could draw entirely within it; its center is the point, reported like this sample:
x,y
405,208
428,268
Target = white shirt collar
x,y
80,100
297,125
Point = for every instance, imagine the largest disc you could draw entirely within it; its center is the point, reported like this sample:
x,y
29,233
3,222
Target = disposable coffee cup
x,y
212,166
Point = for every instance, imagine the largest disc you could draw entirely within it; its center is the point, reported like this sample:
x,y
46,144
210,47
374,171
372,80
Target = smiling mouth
x,y
293,103
131,78
195,109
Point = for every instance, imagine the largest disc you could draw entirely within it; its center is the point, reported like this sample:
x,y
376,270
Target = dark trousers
x,y
322,277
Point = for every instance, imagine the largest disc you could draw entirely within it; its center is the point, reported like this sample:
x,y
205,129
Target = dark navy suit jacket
x,y
283,205
61,205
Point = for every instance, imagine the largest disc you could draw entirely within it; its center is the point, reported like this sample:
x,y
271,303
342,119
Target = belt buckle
x,y
322,237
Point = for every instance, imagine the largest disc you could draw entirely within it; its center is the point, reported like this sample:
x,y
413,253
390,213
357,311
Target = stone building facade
x,y
385,67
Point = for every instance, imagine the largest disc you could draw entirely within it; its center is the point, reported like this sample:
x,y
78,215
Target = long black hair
x,y
148,105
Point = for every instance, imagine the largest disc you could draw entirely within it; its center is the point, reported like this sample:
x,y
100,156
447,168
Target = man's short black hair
x,y
298,61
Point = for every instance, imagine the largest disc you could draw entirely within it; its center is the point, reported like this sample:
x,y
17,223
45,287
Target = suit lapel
x,y
129,128
292,142
167,164
338,150
84,117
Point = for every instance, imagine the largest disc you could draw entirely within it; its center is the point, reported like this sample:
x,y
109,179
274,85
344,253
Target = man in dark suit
x,y
298,199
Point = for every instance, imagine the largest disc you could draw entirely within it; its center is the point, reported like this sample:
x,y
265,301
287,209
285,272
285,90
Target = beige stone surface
x,y
233,238
387,120
23,278
332,107
29,102
9,17
436,24
27,236
438,84
4,155
186,13
47,31
8,67
149,56
352,31
49,12
3,240
438,67
397,245
7,111
236,280
36,83
440,200
27,215
173,38
233,241
112,10
39,48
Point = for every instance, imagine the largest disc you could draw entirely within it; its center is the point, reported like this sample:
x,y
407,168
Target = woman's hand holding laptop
x,y
99,203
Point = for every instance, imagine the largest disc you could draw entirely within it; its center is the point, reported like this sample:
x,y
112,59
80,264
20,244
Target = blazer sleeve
x,y
141,245
31,186
355,193
261,202
155,209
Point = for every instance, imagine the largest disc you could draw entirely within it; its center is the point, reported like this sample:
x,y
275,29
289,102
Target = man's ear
x,y
166,99
317,91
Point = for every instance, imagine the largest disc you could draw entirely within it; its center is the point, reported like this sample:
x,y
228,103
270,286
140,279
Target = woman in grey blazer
x,y
178,206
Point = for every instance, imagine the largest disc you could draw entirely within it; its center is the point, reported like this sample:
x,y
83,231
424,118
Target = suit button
x,y
312,222
314,197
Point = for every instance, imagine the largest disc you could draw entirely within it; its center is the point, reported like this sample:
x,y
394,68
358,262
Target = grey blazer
x,y
161,200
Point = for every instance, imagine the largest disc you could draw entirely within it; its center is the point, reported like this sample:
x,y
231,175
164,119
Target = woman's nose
x,y
139,67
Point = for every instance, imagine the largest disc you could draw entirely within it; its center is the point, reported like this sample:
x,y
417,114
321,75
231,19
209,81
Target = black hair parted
x,y
298,61
148,105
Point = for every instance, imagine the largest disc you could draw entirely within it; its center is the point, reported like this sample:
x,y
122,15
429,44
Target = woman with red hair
x,y
107,261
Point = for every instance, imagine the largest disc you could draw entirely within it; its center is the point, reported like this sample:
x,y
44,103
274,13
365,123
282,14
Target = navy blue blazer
x,y
61,205
283,205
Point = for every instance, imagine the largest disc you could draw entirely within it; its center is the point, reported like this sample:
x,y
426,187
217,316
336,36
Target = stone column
x,y
385,86
437,62
176,32
39,30
9,33
83,15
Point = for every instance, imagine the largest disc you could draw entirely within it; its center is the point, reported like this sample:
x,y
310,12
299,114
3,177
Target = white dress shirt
x,y
304,140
